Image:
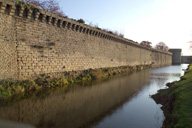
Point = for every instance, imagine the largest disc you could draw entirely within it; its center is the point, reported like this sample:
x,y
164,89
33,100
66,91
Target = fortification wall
x,y
186,59
36,42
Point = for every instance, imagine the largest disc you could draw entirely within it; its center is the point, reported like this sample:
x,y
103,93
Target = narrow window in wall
x,y
40,17
53,21
25,13
68,25
96,33
64,24
17,10
33,14
58,23
8,9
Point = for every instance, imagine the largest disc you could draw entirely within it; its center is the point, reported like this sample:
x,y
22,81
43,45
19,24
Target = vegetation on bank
x,y
11,87
177,102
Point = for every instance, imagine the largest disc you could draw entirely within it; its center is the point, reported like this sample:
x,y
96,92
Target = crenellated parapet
x,y
35,41
9,7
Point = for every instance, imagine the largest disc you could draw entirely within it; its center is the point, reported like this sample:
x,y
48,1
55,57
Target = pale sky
x,y
169,21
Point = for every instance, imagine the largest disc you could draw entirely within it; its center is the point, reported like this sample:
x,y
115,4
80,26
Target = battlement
x,y
9,7
35,42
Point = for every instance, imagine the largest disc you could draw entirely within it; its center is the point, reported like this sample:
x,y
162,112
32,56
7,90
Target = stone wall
x,y
186,59
37,42
176,56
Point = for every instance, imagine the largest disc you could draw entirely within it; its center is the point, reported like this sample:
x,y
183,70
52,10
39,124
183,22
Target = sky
x,y
168,21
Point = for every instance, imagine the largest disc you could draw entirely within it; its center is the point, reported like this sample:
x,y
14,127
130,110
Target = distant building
x,y
176,58
186,59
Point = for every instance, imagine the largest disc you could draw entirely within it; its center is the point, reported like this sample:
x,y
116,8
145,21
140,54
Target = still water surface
x,y
120,102
141,111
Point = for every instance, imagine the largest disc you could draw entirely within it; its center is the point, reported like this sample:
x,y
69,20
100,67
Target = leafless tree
x,y
146,44
49,5
162,46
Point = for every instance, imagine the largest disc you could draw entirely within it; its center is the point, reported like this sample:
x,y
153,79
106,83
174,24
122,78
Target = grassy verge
x,y
10,88
177,102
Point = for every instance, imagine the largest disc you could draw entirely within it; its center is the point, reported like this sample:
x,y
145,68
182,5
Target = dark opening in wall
x,y
47,19
77,28
73,26
64,24
33,14
81,28
90,32
99,34
53,21
8,9
17,10
96,33
93,33
40,17
84,30
25,13
58,23
87,31
68,25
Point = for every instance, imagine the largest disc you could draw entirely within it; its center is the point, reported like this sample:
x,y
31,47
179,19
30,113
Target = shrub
x,y
81,21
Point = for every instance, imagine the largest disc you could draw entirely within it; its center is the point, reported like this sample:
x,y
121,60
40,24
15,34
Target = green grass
x,y
177,102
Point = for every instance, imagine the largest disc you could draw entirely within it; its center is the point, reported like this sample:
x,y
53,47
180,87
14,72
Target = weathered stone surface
x,y
30,47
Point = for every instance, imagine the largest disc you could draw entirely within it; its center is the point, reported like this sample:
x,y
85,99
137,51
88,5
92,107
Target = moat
x,y
123,101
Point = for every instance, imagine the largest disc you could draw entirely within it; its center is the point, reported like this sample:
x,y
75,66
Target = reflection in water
x,y
119,102
141,111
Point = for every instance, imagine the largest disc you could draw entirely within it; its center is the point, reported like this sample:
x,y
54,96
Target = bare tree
x,y
162,46
146,44
49,5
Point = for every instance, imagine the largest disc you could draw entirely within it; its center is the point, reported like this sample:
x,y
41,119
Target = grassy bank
x,y
177,102
9,87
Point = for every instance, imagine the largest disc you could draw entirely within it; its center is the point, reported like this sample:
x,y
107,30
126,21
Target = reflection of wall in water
x,y
78,106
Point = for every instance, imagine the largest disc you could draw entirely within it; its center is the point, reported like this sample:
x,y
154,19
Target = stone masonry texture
x,y
34,42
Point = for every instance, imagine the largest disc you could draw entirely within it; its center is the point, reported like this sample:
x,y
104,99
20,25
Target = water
x,y
141,111
121,102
